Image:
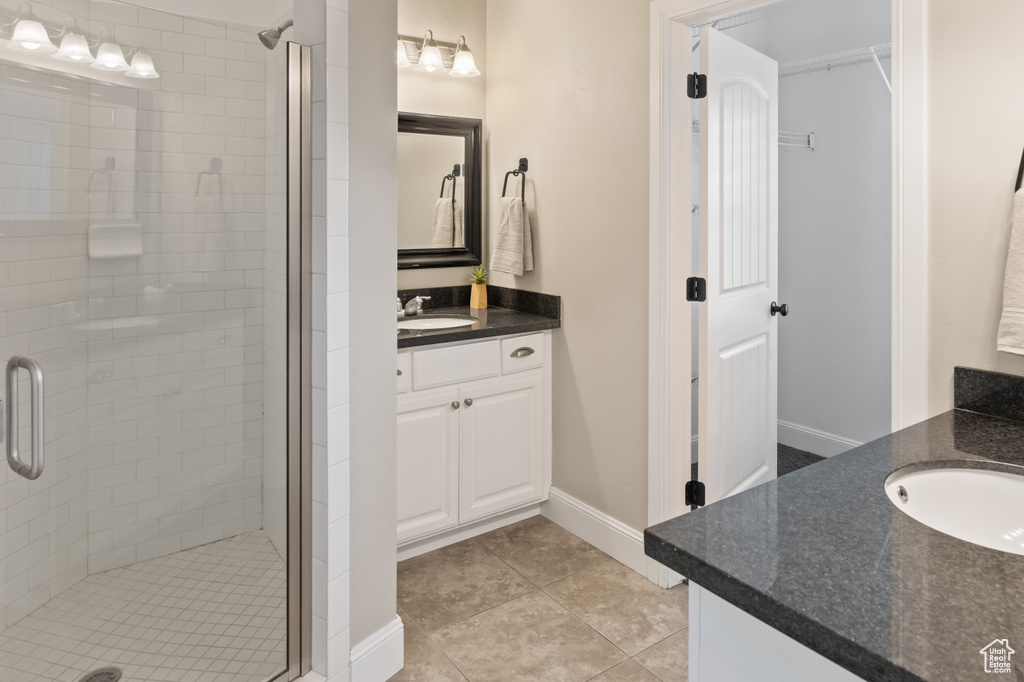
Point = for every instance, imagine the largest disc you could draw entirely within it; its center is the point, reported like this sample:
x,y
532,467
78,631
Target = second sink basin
x,y
430,322
978,502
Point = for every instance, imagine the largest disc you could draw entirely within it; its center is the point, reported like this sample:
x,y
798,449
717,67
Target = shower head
x,y
270,37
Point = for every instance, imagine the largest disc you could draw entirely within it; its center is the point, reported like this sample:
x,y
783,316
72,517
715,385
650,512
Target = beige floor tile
x,y
424,662
541,550
529,639
455,582
627,671
410,629
668,659
625,607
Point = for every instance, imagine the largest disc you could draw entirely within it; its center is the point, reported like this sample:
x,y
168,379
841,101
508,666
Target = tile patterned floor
x,y
214,613
532,602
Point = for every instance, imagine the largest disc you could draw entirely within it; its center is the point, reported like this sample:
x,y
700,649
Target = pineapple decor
x,y
478,289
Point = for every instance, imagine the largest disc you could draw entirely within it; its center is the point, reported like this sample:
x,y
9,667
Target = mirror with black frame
x,y
439,197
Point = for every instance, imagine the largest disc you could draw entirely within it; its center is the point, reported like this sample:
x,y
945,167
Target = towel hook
x,y
524,165
453,176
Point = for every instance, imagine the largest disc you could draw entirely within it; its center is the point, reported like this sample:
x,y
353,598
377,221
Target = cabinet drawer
x,y
522,352
404,372
453,365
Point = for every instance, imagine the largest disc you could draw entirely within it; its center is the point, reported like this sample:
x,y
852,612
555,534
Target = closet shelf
x,y
828,61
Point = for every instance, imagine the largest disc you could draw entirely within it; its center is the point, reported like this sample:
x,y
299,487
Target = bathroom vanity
x,y
474,419
820,576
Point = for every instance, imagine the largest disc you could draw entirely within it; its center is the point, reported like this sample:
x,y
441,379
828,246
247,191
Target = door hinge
x,y
696,289
693,494
696,86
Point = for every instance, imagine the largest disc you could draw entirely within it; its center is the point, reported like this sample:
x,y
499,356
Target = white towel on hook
x,y
513,251
459,226
443,230
1011,325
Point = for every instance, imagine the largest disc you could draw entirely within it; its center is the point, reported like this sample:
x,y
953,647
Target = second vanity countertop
x,y
512,311
822,556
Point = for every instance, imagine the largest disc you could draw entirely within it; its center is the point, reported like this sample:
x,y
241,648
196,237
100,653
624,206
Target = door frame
x,y
670,329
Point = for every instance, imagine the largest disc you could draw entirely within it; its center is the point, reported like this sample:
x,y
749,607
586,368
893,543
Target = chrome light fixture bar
x,y
427,54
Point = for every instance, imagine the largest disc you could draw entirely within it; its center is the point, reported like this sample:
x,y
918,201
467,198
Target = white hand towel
x,y
444,225
1011,326
513,252
460,226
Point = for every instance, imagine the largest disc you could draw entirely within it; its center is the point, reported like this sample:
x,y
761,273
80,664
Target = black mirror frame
x,y
470,129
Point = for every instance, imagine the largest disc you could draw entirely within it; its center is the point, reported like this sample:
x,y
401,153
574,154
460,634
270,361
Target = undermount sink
x,y
978,502
431,322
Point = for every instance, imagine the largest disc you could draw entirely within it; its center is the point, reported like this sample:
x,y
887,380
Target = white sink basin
x,y
427,323
978,505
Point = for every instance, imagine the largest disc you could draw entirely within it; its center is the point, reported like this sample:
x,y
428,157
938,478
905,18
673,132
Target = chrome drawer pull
x,y
523,352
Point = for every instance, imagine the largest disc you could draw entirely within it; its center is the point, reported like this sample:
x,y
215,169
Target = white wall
x,y
434,93
369,362
973,156
835,217
568,87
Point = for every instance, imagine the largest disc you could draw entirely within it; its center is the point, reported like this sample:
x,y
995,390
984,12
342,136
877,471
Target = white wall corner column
x,y
910,214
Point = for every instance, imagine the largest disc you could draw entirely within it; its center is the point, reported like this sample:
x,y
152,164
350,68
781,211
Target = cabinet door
x,y
502,452
428,455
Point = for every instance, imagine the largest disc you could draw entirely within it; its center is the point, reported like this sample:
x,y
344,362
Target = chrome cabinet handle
x,y
523,352
469,402
455,405
35,469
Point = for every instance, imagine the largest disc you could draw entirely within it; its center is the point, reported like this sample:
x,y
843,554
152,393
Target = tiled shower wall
x,y
275,308
155,363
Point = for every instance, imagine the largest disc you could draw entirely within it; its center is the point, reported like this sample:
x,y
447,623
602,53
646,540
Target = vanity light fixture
x,y
430,55
463,64
142,66
436,56
31,36
110,57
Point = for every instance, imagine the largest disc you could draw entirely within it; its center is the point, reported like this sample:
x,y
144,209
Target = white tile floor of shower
x,y
212,613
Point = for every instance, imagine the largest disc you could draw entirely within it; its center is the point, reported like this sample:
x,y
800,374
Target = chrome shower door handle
x,y
35,469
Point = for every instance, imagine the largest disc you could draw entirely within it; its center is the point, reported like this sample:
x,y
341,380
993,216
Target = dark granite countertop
x,y
823,556
492,322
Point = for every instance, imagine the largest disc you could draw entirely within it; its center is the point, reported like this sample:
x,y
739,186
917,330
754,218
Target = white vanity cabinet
x,y
474,432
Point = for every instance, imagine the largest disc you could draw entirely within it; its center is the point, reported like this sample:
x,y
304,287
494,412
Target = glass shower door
x,y
144,275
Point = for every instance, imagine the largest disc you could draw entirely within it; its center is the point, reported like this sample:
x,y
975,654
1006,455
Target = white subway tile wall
x,y
160,367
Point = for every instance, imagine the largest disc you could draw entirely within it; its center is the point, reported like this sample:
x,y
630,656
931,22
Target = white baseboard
x,y
814,441
461,533
381,655
611,536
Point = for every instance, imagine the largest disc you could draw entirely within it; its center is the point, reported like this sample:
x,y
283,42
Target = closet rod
x,y
787,138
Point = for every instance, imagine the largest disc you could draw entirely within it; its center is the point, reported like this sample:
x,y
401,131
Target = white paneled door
x,y
738,413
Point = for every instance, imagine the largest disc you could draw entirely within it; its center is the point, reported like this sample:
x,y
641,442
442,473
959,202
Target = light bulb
x,y
403,58
74,48
463,66
142,67
110,57
430,55
31,36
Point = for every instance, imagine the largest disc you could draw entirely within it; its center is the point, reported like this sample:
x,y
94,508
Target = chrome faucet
x,y
415,305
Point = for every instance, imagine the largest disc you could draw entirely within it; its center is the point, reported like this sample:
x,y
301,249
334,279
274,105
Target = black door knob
x,y
780,309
